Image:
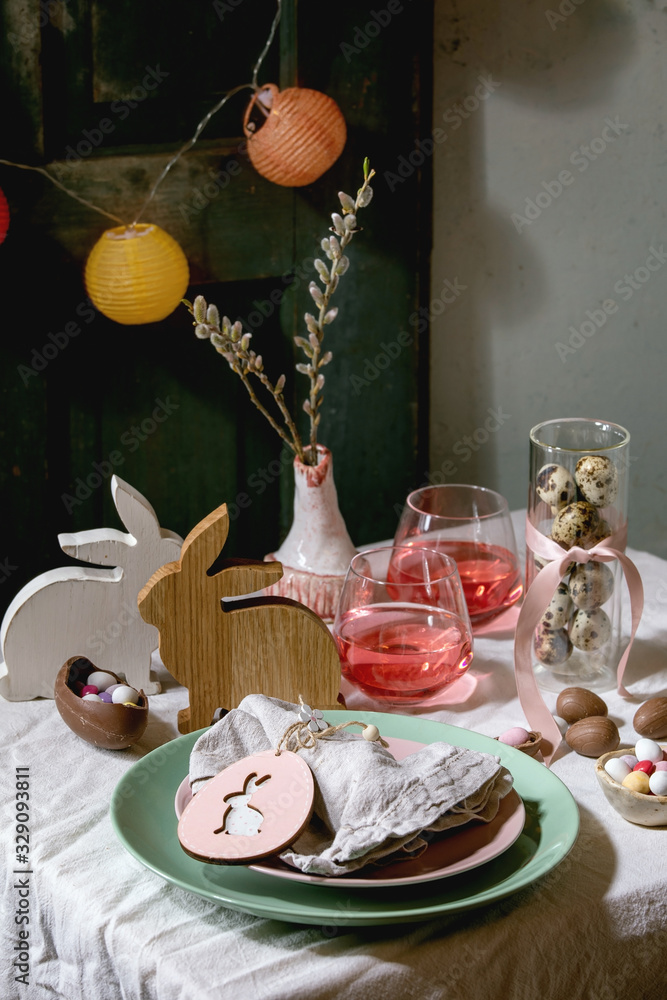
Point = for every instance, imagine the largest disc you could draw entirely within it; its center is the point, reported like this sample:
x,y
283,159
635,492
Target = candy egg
x,y
658,783
590,630
597,479
555,485
617,769
104,696
593,736
637,781
648,750
661,765
558,613
515,736
647,766
89,689
552,646
629,759
90,696
101,679
124,693
576,703
591,585
575,524
651,719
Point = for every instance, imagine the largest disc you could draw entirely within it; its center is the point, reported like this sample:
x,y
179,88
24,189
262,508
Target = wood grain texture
x,y
224,651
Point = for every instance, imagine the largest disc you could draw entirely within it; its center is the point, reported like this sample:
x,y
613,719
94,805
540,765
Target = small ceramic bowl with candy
x,y
634,781
98,706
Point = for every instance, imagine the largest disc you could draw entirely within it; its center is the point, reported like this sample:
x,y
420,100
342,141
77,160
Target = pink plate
x,y
452,853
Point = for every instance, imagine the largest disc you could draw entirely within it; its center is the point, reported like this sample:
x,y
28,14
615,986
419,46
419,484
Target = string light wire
x,y
184,148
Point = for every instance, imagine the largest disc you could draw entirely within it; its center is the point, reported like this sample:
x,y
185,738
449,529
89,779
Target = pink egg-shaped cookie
x,y
250,810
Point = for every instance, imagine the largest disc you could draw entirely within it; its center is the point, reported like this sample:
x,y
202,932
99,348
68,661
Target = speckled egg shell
x,y
590,630
603,531
591,585
552,646
575,524
593,736
560,609
555,485
597,479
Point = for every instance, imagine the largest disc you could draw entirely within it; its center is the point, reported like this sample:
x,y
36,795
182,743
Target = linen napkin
x,y
368,808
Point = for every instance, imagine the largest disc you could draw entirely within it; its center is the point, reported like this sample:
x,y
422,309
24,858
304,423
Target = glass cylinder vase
x,y
577,500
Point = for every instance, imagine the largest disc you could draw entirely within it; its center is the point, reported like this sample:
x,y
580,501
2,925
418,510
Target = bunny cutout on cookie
x,y
223,650
241,818
81,611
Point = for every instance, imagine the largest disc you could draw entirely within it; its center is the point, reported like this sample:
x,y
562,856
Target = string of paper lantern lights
x,y
136,272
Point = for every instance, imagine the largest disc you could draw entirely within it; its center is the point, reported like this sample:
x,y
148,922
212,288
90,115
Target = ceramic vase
x,y
317,551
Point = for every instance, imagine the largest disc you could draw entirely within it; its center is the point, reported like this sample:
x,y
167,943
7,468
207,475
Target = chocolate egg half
x,y
112,727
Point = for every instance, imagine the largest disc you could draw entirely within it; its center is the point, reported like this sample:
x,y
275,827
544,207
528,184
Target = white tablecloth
x,y
103,926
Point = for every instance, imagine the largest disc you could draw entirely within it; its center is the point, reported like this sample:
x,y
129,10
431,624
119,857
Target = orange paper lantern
x,y
303,135
4,216
136,274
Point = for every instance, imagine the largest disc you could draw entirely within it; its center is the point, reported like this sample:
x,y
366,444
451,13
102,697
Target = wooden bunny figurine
x,y
222,651
81,611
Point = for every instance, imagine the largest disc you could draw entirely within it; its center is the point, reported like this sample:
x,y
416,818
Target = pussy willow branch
x,y
343,229
233,344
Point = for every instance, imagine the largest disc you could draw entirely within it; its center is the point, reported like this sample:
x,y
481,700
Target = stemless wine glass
x,y
471,524
402,626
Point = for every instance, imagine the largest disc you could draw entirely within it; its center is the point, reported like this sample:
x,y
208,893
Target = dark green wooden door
x,y
103,94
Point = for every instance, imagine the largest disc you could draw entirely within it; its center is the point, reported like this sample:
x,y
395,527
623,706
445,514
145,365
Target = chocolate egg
x,y
575,703
593,736
558,613
591,585
576,524
590,630
597,479
552,646
555,485
112,727
651,719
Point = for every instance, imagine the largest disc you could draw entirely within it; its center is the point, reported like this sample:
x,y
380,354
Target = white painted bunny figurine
x,y
89,612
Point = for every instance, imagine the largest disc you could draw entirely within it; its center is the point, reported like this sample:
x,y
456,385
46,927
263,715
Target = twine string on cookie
x,y
305,739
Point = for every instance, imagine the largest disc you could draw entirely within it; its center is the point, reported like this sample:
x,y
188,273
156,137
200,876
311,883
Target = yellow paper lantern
x,y
136,274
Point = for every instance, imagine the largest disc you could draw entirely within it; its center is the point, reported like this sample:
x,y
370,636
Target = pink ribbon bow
x,y
536,602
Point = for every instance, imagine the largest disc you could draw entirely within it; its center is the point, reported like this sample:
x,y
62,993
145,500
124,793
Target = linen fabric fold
x,y
369,808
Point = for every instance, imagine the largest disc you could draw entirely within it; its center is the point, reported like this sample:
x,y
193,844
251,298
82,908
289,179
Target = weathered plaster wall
x,y
525,91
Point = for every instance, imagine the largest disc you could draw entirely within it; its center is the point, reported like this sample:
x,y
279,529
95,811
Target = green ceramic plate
x,y
142,813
